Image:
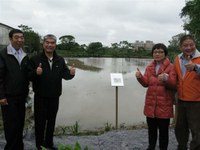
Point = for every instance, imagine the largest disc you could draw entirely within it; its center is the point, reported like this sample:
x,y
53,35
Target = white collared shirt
x,y
17,54
50,62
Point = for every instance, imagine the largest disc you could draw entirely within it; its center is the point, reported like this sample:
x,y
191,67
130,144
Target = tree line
x,y
68,46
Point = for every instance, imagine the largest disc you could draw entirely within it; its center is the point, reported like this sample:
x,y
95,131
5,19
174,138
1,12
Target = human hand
x,y
39,69
163,77
72,70
138,74
3,102
190,66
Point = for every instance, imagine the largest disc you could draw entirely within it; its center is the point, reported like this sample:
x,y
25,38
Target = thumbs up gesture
x,y
72,70
138,74
190,65
3,102
39,69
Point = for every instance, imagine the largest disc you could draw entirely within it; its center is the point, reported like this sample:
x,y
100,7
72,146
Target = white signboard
x,y
116,79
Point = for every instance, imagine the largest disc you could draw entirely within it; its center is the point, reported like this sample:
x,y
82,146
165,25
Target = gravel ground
x,y
113,140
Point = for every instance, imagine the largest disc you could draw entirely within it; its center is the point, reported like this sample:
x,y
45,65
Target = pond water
x,y
90,99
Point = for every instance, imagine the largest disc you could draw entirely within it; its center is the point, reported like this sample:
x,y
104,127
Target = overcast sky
x,y
106,21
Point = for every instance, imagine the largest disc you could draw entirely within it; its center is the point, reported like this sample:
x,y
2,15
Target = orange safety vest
x,y
188,87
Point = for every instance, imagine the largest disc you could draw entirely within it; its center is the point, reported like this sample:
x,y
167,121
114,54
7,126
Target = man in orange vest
x,y
188,70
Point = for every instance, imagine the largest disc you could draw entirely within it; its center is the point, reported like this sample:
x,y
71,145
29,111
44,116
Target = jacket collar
x,y
196,54
43,56
10,50
162,68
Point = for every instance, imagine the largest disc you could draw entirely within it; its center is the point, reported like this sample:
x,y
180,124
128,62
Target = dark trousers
x,y
13,121
45,111
188,120
155,124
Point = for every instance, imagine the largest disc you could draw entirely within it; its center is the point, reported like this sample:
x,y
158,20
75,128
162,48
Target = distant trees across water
x,y
68,47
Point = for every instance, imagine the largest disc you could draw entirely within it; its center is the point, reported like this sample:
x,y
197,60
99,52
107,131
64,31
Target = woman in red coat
x,y
160,79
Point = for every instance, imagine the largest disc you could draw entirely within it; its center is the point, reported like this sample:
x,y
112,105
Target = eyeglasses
x,y
158,52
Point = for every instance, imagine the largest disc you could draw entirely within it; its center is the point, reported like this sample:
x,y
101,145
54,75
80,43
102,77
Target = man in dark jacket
x,y
48,71
13,89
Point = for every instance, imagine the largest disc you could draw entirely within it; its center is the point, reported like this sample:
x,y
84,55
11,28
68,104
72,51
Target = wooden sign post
x,y
116,80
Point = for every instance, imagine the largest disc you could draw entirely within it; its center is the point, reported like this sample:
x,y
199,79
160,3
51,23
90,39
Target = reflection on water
x,y
90,99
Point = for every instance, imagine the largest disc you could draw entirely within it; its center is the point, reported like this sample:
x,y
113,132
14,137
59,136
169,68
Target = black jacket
x,y
13,76
49,84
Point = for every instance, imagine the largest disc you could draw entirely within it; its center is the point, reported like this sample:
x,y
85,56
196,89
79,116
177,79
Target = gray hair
x,y
49,36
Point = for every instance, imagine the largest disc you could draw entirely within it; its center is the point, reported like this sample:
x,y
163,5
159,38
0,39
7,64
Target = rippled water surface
x,y
90,99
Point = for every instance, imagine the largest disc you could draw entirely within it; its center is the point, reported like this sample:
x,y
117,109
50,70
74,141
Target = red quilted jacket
x,y
160,95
